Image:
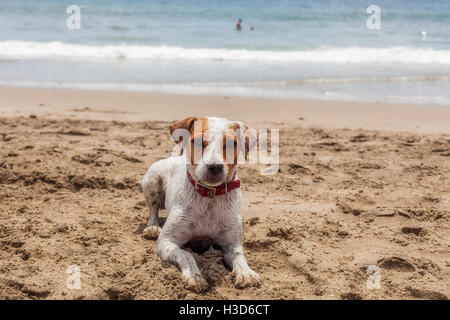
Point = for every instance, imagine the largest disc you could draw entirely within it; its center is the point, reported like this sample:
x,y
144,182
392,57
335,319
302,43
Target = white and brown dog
x,y
200,192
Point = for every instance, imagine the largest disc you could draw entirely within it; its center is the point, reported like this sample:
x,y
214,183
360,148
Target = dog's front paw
x,y
246,279
196,283
151,232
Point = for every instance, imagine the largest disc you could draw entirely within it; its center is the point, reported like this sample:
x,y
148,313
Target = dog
x,y
200,191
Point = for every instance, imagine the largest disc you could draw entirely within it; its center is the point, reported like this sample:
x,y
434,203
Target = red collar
x,y
211,192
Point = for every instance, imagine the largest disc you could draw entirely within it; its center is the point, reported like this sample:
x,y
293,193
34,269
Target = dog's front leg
x,y
168,249
234,257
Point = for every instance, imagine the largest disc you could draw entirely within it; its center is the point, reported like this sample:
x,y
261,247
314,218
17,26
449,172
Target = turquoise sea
x,y
287,48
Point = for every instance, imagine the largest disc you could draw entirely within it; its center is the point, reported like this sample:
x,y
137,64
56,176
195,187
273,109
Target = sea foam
x,y
13,49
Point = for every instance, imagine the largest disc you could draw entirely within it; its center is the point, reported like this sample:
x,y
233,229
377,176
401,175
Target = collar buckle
x,y
211,192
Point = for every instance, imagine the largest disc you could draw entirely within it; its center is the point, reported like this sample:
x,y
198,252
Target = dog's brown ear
x,y
185,124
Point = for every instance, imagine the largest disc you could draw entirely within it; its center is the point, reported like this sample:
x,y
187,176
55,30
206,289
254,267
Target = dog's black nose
x,y
215,168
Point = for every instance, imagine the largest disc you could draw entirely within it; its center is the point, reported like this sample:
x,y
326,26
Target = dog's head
x,y
212,147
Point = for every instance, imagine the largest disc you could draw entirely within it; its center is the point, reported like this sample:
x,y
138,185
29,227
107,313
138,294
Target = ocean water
x,y
286,48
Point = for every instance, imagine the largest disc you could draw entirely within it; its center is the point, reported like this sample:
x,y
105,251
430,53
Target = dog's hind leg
x,y
152,187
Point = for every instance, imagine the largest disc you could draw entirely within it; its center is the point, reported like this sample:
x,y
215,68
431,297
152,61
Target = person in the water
x,y
238,25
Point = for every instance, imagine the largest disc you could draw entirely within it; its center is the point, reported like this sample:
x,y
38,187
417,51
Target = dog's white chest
x,y
207,218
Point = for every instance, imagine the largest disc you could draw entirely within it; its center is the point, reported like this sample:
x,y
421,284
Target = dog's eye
x,y
230,142
197,142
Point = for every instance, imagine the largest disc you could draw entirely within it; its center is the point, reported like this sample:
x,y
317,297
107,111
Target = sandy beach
x,y
360,184
260,112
